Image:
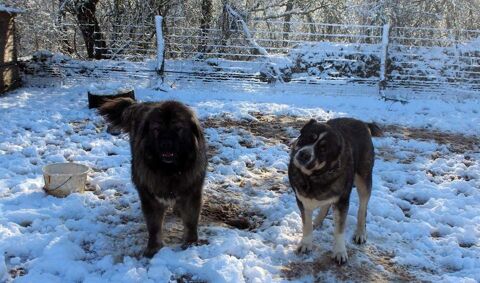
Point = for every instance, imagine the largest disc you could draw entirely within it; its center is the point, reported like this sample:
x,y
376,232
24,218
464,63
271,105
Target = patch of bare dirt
x,y
220,211
275,128
365,265
458,143
17,272
268,126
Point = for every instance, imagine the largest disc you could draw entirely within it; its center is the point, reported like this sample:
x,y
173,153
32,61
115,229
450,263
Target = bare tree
x,y
205,20
88,23
287,25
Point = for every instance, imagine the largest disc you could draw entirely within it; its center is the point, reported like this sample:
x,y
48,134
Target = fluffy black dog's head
x,y
165,135
317,148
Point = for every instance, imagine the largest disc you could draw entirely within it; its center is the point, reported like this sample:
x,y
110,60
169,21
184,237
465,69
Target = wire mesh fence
x,y
435,60
261,52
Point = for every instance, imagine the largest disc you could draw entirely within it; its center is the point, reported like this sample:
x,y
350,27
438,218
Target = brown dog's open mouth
x,y
168,157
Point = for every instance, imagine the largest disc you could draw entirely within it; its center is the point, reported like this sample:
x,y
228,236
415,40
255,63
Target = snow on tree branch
x,y
246,31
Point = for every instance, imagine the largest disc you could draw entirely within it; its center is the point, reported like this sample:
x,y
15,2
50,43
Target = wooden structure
x,y
96,100
9,71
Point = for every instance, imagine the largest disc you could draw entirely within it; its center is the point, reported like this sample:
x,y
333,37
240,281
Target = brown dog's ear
x,y
119,112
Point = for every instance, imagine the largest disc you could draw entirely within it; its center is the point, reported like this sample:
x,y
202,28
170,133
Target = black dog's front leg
x,y
154,213
189,209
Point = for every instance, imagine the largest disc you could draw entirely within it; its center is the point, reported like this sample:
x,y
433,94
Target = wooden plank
x,y
7,39
10,77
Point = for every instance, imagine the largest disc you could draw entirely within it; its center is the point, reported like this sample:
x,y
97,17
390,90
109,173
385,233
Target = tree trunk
x,y
94,41
65,46
286,25
205,24
312,28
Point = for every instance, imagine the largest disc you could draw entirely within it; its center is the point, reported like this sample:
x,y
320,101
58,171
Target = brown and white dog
x,y
325,162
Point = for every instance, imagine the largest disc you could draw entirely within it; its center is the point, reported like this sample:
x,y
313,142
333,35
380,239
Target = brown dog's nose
x,y
303,156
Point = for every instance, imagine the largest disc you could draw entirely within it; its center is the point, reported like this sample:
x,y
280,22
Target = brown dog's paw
x,y
340,257
304,247
360,238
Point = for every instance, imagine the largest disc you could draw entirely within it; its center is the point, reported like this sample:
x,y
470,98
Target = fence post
x,y
160,46
382,84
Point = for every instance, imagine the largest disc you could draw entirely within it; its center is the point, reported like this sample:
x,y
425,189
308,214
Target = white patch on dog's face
x,y
306,155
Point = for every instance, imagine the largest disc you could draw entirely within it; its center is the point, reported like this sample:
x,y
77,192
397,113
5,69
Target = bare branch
x,y
296,11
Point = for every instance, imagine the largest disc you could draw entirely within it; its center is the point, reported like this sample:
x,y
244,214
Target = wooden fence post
x,y
160,47
382,84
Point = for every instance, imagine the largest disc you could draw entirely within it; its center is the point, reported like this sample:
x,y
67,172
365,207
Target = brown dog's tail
x,y
119,112
375,130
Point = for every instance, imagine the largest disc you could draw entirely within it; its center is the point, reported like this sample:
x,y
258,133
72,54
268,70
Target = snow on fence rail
x,y
400,58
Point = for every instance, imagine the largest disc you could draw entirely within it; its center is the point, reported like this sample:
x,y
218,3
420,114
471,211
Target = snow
x,y
108,88
423,219
160,41
246,30
10,10
384,54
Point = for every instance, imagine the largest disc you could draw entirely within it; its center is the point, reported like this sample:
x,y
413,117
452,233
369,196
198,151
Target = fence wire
x,y
418,59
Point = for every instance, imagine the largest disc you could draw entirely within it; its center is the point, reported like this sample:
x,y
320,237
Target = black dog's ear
x,y
311,122
119,112
196,128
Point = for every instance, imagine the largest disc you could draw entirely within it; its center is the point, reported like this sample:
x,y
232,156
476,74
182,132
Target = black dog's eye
x,y
310,138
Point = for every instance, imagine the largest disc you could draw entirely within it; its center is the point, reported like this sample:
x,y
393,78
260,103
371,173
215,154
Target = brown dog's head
x,y
165,135
317,148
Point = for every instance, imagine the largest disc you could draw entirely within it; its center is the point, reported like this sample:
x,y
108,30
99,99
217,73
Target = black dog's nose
x,y
166,144
303,156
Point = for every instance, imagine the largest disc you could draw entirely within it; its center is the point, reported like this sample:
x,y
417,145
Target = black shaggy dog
x,y
325,162
168,161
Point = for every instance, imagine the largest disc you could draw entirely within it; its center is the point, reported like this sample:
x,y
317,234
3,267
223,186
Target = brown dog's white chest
x,y
311,203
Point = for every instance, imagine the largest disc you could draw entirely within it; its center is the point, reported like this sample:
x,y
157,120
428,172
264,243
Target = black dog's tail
x,y
118,112
375,130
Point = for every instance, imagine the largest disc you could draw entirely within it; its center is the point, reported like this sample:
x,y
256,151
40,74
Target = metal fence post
x,y
382,84
160,46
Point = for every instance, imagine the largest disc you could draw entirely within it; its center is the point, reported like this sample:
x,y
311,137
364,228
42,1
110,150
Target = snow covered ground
x,y
423,221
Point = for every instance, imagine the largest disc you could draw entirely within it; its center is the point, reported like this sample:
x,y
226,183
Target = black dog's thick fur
x,y
168,161
326,160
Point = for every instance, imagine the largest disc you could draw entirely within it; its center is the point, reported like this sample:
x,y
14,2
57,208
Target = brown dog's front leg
x,y
306,244
340,216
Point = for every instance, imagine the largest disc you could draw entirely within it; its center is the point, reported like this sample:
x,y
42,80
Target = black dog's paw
x,y
199,242
150,251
